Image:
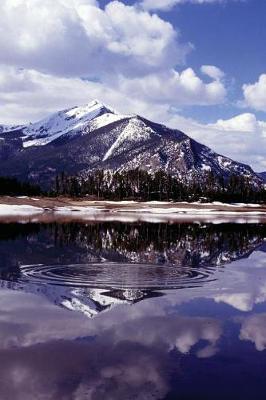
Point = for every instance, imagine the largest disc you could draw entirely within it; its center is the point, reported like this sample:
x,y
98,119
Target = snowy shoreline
x,y
47,209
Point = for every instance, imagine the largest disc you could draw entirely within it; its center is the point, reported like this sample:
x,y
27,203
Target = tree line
x,y
138,184
13,187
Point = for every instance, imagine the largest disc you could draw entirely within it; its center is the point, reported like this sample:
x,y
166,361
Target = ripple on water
x,y
117,275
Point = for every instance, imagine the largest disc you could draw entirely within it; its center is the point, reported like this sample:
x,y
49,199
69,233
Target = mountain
x,y
262,175
81,139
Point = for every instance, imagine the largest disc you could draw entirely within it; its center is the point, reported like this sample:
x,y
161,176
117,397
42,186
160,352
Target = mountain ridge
x,y
79,140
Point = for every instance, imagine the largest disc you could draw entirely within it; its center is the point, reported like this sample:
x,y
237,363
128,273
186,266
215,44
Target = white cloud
x,y
27,95
126,56
255,94
78,38
212,71
123,47
184,88
168,4
246,122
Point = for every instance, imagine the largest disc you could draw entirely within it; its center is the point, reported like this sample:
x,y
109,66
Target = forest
x,y
138,184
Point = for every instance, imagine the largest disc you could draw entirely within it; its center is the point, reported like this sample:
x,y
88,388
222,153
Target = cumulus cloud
x,y
27,95
79,38
255,94
184,88
60,54
246,122
168,4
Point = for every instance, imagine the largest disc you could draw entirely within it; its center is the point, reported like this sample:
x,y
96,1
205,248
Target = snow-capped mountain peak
x,y
89,111
93,136
71,122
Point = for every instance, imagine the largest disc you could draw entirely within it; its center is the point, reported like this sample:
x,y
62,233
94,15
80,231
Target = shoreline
x,y
62,209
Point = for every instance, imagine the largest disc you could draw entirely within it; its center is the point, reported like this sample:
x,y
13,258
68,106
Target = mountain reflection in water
x,y
109,263
132,311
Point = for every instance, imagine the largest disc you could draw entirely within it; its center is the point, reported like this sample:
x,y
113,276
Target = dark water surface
x,y
132,311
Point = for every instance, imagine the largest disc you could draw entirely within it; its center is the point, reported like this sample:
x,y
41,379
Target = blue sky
x,y
195,65
231,36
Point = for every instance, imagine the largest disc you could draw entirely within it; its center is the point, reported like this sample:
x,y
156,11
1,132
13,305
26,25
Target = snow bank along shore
x,y
127,211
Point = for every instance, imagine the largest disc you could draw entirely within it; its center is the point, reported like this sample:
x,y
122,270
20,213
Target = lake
x,y
140,310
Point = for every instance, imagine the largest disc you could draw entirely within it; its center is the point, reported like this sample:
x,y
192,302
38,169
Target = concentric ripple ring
x,y
116,275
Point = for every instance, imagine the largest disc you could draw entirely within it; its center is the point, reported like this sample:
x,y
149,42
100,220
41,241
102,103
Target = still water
x,y
132,311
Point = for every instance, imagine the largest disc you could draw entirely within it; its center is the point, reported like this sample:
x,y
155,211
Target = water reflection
x,y
121,263
53,355
160,244
104,360
157,311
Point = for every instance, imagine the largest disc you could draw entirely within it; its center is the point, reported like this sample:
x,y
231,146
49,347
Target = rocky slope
x,y
82,139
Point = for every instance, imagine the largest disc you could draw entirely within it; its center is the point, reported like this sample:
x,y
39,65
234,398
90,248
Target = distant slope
x,y
262,175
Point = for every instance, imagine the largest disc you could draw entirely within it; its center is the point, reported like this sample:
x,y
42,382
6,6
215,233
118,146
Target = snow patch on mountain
x,y
105,119
134,131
